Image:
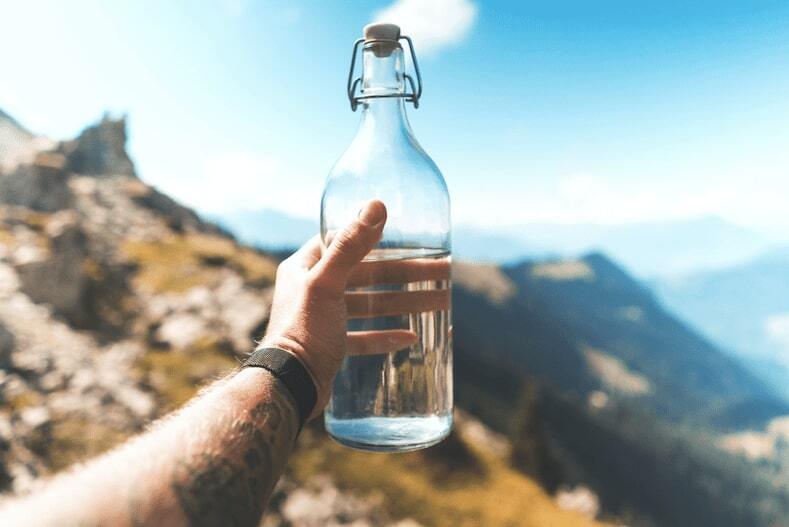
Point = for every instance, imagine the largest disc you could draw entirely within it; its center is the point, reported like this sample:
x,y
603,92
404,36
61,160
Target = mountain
x,y
579,398
117,304
598,385
277,230
586,325
268,228
659,248
17,144
744,308
491,246
648,249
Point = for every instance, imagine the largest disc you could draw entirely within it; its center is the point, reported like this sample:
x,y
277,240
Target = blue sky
x,y
560,111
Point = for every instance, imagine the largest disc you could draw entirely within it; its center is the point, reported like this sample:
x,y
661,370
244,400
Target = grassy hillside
x,y
453,484
585,325
525,364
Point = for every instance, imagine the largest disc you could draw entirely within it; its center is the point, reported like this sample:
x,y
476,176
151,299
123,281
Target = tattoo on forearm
x,y
231,488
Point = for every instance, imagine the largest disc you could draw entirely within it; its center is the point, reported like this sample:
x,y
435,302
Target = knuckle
x,y
350,237
344,242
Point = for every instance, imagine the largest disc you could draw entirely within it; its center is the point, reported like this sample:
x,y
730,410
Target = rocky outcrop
x,y
100,150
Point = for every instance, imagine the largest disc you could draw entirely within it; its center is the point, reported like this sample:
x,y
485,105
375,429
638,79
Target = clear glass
x,y
398,401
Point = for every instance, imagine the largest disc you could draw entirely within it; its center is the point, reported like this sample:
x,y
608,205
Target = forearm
x,y
215,462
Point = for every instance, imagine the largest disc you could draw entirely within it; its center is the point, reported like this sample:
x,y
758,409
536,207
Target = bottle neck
x,y
382,76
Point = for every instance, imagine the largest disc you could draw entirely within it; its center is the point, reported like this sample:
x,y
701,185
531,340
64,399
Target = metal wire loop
x,y
416,87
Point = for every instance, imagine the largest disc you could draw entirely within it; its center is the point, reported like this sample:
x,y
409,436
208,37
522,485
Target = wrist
x,y
251,385
295,348
292,373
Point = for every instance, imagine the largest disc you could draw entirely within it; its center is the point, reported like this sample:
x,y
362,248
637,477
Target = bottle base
x,y
389,434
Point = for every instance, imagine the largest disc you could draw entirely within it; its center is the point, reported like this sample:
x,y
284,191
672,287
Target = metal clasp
x,y
416,88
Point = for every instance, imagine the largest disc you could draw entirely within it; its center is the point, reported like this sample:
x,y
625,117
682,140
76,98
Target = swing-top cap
x,y
381,31
383,38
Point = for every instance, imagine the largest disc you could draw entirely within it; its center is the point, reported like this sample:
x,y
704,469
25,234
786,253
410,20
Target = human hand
x,y
309,311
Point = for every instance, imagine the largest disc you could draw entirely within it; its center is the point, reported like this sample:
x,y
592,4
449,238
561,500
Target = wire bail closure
x,y
416,88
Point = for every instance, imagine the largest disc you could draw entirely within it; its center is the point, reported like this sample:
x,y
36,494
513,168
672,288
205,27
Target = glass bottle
x,y
403,400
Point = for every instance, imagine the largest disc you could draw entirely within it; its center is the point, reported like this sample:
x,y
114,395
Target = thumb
x,y
351,245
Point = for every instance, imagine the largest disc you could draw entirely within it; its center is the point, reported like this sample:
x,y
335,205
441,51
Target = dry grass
x,y
24,400
178,263
414,488
6,238
76,439
487,280
563,271
176,375
614,373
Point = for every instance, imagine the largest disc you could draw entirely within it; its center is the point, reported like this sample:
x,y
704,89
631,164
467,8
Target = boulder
x,y
41,187
60,280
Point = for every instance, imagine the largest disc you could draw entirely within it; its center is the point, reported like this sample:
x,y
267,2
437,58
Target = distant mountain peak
x,y
5,118
17,144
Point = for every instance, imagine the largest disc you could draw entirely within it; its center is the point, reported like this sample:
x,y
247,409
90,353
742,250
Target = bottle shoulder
x,y
403,163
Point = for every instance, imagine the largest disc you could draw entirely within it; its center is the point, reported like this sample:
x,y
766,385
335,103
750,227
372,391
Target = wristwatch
x,y
291,372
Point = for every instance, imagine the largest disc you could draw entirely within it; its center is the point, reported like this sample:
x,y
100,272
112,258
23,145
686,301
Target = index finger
x,y
349,246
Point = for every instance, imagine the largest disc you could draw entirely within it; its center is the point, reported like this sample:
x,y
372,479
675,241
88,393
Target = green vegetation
x,y
76,439
178,263
451,484
176,375
645,471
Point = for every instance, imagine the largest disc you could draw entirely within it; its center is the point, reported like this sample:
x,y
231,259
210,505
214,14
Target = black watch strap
x,y
288,369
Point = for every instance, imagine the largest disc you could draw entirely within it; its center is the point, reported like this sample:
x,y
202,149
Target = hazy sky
x,y
535,111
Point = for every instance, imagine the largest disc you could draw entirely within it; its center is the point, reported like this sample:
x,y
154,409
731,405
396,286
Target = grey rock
x,y
181,329
100,150
321,503
7,342
178,217
38,187
60,280
35,416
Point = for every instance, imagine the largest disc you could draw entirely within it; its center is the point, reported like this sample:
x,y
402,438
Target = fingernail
x,y
373,214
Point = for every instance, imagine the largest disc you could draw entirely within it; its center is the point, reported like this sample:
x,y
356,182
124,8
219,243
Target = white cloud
x,y
236,180
432,24
777,328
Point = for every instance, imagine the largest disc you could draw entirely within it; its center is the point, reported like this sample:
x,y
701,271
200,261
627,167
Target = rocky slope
x,y
117,303
81,306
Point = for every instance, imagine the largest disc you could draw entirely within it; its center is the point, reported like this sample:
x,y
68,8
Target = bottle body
x,y
403,400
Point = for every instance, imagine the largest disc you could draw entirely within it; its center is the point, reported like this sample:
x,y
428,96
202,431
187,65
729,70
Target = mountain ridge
x,y
648,249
